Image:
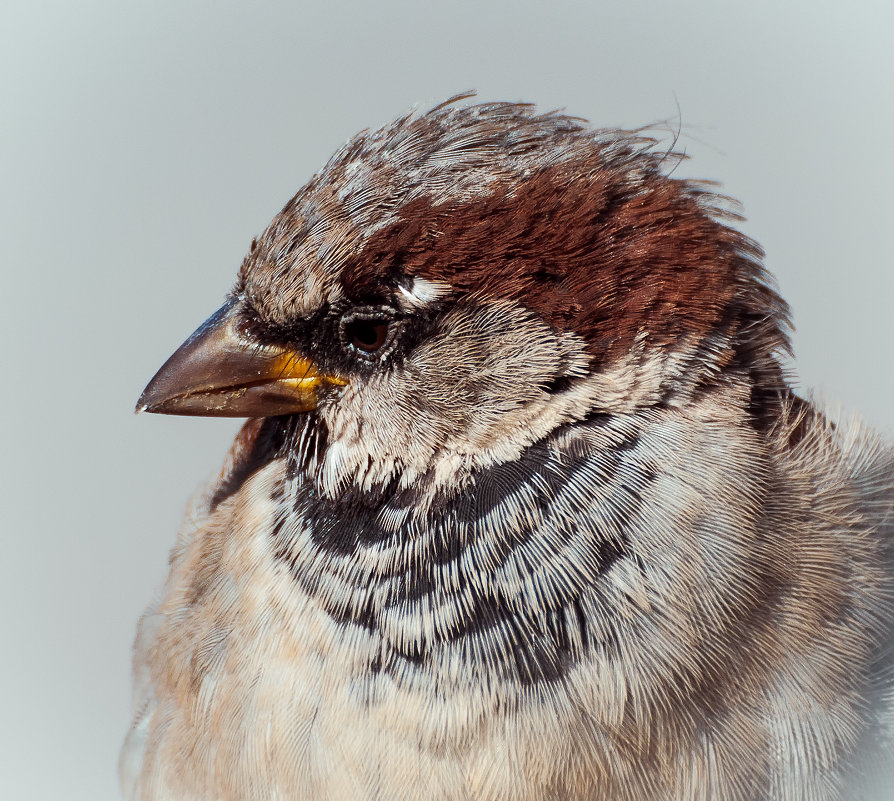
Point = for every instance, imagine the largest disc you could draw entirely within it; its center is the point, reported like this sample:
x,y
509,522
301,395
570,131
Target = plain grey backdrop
x,y
142,145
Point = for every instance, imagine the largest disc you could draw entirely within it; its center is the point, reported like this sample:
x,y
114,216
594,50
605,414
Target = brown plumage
x,y
527,509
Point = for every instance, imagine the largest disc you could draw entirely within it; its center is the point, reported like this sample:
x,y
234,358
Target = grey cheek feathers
x,y
478,401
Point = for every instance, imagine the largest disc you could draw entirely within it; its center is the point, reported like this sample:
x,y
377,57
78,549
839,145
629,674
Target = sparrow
x,y
526,507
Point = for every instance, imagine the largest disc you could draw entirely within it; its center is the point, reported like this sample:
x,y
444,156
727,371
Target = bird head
x,y
453,287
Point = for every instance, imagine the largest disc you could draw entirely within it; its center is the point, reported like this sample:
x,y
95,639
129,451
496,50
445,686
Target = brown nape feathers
x,y
527,508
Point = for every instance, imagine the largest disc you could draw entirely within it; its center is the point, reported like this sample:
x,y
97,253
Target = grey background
x,y
143,145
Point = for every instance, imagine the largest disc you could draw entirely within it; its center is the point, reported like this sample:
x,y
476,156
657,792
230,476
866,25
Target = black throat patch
x,y
503,572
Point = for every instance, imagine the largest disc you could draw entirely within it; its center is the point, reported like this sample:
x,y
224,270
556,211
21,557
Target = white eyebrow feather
x,y
421,291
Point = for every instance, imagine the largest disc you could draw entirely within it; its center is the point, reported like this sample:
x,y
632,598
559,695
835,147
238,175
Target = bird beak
x,y
221,371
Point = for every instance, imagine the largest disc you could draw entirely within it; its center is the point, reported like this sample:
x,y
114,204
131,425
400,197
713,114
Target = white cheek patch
x,y
421,291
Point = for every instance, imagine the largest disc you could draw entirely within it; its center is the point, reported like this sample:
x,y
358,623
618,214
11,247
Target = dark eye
x,y
367,335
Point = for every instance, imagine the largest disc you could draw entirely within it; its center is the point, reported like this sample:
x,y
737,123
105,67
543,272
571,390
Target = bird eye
x,y
367,335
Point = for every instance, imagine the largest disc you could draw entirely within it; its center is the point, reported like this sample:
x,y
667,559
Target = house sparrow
x,y
526,507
